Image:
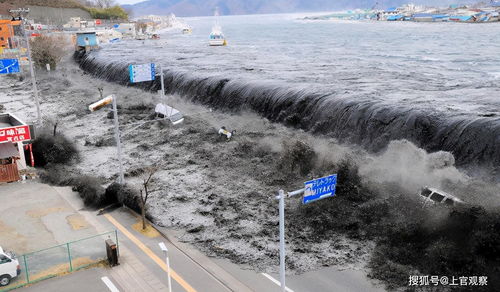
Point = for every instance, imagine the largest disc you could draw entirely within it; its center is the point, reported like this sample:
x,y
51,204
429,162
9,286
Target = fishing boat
x,y
187,30
216,36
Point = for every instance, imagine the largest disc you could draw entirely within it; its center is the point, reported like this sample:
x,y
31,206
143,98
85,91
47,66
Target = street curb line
x,y
150,253
197,257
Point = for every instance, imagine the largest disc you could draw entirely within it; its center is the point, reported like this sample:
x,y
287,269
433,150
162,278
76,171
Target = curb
x,y
204,262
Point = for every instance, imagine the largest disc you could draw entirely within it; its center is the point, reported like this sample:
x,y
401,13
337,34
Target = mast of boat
x,y
216,16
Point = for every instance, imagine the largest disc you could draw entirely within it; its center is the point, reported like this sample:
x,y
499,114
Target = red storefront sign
x,y
15,134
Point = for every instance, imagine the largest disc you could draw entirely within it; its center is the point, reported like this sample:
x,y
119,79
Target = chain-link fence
x,y
65,258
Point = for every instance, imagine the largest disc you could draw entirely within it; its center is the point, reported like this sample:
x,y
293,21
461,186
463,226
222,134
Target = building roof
x,y
9,120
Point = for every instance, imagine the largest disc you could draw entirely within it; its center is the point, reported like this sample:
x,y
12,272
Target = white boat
x,y
216,36
187,30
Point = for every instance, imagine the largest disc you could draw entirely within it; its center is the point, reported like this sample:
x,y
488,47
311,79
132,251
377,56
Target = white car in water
x,y
433,196
9,267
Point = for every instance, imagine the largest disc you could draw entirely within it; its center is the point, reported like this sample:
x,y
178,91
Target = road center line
x,y
150,253
110,284
275,281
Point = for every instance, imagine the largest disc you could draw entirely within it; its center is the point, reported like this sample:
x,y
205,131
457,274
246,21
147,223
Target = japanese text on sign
x,y
142,72
319,188
15,134
8,66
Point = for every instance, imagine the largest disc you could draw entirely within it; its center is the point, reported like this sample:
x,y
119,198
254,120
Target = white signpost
x,y
313,190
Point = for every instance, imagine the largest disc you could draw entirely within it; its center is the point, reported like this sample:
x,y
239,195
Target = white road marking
x,y
110,284
276,281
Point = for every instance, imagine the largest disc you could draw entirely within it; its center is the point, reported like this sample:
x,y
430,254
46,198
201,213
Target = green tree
x,y
114,12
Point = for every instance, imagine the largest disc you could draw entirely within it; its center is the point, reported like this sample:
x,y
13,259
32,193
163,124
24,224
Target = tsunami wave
x,y
371,124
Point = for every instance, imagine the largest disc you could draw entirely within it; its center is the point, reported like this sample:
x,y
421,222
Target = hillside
x,y
233,7
6,5
58,12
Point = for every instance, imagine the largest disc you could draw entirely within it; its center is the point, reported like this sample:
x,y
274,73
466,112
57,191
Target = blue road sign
x,y
141,73
319,188
8,66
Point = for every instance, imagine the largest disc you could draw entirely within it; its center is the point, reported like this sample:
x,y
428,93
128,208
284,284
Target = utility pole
x,y
121,177
20,13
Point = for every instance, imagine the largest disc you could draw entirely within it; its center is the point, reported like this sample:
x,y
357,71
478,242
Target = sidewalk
x,y
131,274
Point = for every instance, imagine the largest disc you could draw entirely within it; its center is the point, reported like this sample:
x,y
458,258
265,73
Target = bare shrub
x,y
90,190
124,194
47,50
58,149
297,156
54,176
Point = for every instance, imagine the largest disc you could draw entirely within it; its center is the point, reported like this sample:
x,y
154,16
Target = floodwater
x,y
364,82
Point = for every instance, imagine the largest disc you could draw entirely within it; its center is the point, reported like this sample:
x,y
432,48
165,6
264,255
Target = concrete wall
x,y
55,16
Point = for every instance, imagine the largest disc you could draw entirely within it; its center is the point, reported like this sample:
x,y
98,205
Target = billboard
x,y
15,134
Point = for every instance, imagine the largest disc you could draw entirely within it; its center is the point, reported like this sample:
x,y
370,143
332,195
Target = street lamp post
x,y
30,60
165,252
99,104
121,177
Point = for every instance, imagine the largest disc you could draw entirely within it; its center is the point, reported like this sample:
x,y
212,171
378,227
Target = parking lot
x,y
35,220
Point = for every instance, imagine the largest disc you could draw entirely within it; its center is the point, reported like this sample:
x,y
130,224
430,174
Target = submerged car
x,y
433,196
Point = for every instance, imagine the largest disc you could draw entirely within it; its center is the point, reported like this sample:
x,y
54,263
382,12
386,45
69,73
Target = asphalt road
x,y
81,281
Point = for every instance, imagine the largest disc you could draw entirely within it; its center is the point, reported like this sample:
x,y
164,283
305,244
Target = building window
x,y
1,39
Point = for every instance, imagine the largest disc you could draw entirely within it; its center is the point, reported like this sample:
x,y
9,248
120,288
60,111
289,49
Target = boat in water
x,y
187,30
216,36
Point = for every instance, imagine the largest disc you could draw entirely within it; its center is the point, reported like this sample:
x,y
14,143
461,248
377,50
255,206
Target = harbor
x,y
481,12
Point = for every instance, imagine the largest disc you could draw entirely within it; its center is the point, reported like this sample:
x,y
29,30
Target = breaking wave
x,y
472,141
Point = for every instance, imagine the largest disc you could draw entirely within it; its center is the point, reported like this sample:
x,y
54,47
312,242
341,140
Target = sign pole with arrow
x,y
313,190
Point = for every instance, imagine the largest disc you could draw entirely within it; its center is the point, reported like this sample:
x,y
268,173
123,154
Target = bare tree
x,y
146,191
104,3
88,3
